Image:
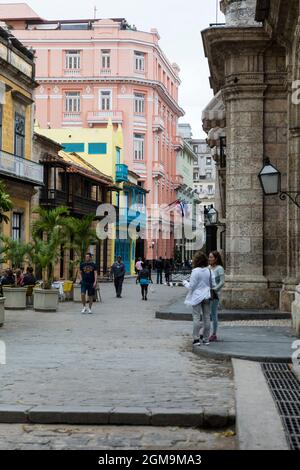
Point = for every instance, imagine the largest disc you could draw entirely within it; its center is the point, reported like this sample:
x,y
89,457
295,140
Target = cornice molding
x,y
157,86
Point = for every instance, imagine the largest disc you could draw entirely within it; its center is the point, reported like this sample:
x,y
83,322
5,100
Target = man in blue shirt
x,y
118,270
88,281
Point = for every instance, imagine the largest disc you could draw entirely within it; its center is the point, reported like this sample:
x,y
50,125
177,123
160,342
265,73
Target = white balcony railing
x,y
21,168
72,116
105,72
104,116
72,72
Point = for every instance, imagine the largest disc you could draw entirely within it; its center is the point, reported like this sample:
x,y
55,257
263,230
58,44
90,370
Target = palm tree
x,y
46,254
50,221
6,204
14,251
81,233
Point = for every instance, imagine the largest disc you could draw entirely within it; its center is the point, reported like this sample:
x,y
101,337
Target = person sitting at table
x,y
8,278
29,278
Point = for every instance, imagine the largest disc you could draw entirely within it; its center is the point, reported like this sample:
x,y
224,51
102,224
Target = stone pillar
x,y
246,287
291,292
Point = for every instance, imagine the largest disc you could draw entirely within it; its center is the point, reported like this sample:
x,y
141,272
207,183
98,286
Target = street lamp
x,y
270,180
211,223
213,216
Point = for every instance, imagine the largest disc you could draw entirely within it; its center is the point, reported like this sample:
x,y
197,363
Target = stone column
x,y
290,290
246,286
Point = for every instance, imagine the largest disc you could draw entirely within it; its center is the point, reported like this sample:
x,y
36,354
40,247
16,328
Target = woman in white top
x,y
199,296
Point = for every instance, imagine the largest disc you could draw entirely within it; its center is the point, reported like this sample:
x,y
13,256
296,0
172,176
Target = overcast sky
x,y
179,24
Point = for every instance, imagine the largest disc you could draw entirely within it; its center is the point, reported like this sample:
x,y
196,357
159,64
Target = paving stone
x,y
69,415
130,416
177,417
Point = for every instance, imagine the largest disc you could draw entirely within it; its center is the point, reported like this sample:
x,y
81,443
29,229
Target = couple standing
x,y
204,287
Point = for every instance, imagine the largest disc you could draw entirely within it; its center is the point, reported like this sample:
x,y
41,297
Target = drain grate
x,y
285,389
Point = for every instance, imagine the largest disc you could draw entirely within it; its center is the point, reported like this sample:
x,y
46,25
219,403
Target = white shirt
x,y
202,280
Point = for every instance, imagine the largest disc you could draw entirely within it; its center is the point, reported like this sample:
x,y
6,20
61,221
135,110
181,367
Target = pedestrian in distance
x,y
159,265
216,266
144,280
167,271
118,271
88,281
138,268
201,283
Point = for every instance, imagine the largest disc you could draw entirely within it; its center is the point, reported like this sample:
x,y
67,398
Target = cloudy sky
x,y
179,24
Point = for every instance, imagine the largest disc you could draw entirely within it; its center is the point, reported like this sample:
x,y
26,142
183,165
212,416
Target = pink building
x,y
93,70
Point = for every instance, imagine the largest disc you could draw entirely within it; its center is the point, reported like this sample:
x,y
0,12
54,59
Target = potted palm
x,y
6,205
46,254
81,235
49,233
16,253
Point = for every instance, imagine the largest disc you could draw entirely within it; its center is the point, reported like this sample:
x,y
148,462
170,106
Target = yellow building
x,y
103,149
20,174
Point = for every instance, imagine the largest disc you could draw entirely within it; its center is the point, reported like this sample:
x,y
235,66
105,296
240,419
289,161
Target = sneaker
x,y
205,342
196,342
201,337
90,311
213,338
84,310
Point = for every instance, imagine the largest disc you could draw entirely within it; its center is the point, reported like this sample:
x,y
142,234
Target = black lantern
x,y
270,179
212,216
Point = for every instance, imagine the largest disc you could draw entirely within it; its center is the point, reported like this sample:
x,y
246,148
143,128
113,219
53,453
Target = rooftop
x,y
17,11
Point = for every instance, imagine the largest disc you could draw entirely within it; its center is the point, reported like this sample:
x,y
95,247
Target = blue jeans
x,y
214,315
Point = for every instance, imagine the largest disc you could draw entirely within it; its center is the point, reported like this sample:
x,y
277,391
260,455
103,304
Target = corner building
x,y
91,71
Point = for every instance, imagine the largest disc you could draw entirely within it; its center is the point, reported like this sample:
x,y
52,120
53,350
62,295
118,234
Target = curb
x,y
240,316
210,353
206,418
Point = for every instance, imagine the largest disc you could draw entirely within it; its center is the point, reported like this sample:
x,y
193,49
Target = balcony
x,y
72,72
158,124
53,198
83,205
158,170
105,72
70,117
178,181
178,143
121,173
102,117
21,168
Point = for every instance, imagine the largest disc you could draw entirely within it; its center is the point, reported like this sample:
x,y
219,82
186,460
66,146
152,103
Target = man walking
x,y
118,270
88,281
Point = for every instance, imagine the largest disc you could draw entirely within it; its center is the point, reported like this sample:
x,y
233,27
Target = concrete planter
x,y
15,298
77,293
45,300
2,311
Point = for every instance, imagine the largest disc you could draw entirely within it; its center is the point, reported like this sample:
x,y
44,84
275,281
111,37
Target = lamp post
x,y
211,219
270,180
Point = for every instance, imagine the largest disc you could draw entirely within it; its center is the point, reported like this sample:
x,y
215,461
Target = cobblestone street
x,y
120,357
25,437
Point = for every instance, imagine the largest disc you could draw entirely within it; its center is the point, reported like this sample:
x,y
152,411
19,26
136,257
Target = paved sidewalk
x,y
265,343
119,357
178,311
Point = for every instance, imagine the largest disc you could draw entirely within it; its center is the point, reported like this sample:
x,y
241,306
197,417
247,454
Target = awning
x,y
214,114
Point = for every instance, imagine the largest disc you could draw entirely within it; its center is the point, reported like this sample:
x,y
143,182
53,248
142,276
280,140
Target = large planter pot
x,y
77,293
45,300
2,311
15,298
